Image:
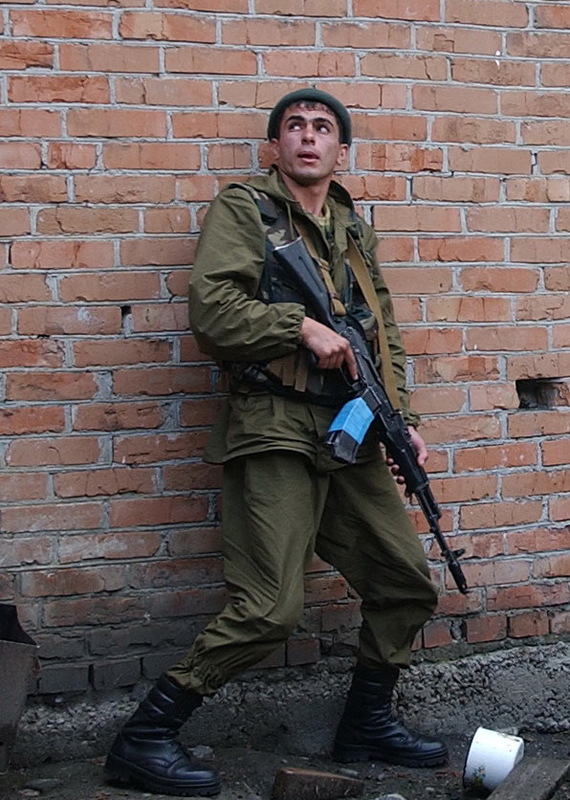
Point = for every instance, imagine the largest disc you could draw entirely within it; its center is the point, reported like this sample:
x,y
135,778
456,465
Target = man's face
x,y
308,150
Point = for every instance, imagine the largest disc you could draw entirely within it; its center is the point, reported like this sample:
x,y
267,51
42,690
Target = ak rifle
x,y
370,406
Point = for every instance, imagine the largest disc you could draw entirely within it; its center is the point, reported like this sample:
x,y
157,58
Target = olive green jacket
x,y
229,323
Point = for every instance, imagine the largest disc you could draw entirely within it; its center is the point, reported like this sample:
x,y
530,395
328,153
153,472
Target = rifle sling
x,y
367,288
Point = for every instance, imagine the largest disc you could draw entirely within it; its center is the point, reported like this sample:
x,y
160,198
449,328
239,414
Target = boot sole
x,y
123,772
354,755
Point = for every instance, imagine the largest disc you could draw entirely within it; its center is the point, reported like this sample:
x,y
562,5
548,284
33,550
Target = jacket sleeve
x,y
397,352
229,323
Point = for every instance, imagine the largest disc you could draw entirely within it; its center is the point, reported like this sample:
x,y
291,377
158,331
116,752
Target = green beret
x,y
311,96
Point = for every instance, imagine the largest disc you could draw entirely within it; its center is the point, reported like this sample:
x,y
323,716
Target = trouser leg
x,y
271,505
365,532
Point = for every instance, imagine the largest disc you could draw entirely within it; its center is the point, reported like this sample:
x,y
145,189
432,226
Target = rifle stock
x,y
371,405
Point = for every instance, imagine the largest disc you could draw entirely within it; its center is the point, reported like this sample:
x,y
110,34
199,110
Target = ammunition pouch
x,y
292,376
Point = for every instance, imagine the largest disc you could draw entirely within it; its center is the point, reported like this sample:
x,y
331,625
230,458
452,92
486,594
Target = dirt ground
x,y
249,775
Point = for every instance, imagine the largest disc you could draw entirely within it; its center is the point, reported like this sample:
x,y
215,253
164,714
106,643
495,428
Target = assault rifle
x,y
371,405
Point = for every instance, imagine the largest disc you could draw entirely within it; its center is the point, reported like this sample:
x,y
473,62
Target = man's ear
x,y
342,155
274,149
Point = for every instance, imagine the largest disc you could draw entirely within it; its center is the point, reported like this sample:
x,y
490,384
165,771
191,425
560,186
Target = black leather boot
x,y
368,730
145,750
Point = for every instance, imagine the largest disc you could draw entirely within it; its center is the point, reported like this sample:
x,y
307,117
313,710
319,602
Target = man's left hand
x,y
421,453
419,446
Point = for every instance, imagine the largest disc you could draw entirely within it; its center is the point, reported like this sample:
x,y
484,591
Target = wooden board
x,y
532,779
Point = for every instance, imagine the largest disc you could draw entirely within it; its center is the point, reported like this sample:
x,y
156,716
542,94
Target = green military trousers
x,y
277,510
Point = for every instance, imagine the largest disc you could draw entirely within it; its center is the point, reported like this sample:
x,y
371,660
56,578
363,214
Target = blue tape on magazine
x,y
354,418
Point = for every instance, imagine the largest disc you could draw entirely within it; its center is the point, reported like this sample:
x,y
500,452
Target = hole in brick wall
x,y
536,393
125,314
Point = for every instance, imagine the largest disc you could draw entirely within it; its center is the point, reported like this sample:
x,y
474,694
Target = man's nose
x,y
309,133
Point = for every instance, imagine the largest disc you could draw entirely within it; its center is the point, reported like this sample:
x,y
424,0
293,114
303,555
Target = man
x,y
284,497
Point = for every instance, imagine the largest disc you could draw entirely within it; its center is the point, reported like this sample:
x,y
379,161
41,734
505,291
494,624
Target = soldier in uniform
x,y
283,495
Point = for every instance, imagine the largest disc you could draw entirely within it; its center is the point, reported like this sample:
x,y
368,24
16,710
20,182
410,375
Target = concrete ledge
x,y
296,711
525,687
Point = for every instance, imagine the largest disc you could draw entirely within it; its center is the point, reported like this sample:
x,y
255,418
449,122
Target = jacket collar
x,y
338,197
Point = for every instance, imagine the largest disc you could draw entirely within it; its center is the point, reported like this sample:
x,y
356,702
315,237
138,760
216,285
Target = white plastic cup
x,y
492,755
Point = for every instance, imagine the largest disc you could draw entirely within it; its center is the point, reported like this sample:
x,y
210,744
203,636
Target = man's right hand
x,y
330,349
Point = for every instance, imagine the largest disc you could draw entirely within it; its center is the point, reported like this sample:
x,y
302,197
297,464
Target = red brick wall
x,y
118,124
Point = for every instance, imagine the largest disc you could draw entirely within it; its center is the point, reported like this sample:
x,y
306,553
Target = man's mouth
x,y
308,157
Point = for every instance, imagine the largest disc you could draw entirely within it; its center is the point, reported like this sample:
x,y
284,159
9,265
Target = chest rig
x,y
295,375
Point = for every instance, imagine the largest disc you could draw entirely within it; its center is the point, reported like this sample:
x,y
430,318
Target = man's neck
x,y
311,198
